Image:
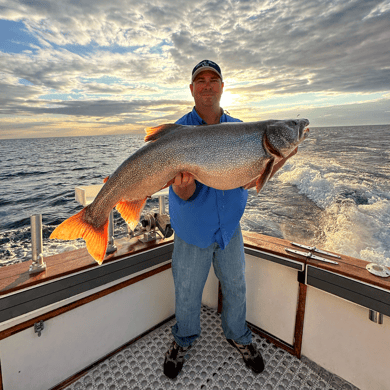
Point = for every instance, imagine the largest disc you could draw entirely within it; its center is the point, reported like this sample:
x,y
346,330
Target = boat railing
x,y
85,195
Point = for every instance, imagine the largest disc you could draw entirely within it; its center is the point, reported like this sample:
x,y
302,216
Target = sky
x,y
91,67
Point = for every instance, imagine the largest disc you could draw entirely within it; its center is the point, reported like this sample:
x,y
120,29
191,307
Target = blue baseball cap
x,y
206,65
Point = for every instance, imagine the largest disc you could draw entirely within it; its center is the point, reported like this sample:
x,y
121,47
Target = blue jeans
x,y
190,268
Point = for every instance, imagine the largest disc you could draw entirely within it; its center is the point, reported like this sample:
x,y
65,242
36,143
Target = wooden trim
x,y
54,313
81,373
274,340
279,343
298,265
16,277
347,266
298,331
271,246
299,320
220,297
41,296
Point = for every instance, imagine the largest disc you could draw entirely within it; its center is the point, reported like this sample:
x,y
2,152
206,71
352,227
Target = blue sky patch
x,y
14,37
25,82
103,80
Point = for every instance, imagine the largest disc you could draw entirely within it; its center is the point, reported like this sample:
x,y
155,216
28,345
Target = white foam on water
x,y
356,230
16,246
312,180
16,243
356,217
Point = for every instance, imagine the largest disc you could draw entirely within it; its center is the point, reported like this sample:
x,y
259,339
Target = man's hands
x,y
184,185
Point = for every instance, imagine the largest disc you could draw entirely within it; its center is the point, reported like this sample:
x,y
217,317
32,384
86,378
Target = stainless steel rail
x,y
38,265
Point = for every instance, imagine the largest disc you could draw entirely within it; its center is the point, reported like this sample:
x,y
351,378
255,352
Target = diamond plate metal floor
x,y
211,364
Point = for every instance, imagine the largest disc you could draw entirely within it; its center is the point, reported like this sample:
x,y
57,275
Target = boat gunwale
x,y
15,278
255,245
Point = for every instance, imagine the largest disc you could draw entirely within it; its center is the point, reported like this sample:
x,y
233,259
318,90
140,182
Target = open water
x,y
334,194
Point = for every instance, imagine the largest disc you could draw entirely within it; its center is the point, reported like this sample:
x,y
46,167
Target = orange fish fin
x,y
263,178
131,211
153,133
250,184
260,180
77,227
168,184
106,179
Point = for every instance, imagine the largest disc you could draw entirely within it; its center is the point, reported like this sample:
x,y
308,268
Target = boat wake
x,y
356,214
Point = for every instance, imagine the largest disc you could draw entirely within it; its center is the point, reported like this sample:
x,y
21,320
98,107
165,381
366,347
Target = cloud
x,y
92,108
323,115
265,48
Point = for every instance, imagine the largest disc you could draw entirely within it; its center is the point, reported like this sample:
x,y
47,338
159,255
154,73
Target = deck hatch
x,y
276,259
37,297
352,290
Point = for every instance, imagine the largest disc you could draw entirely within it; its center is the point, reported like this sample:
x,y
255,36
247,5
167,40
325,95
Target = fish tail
x,y
77,227
131,211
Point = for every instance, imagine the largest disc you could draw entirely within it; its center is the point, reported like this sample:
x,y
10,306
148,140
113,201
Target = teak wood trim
x,y
71,306
220,297
296,348
274,340
347,266
16,277
299,320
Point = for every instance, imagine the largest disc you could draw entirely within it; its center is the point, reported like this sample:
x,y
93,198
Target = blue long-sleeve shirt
x,y
209,215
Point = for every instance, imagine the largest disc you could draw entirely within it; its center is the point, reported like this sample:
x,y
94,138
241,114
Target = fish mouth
x,y
303,129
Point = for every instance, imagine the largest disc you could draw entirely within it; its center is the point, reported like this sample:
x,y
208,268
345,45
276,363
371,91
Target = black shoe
x,y
251,355
174,360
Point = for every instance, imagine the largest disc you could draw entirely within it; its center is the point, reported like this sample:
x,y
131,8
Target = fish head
x,y
283,136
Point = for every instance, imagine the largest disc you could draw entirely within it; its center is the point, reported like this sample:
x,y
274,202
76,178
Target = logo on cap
x,y
206,65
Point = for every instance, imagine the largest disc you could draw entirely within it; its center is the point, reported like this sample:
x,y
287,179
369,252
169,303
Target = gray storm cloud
x,y
267,47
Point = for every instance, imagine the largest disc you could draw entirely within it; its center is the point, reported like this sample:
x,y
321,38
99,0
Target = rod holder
x,y
111,243
38,265
376,317
161,203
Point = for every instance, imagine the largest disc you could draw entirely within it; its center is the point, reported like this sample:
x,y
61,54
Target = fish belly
x,y
225,164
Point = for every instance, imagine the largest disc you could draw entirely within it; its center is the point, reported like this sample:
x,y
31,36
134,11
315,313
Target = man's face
x,y
207,88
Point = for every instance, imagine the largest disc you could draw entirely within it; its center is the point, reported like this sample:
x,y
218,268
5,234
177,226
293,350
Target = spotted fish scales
x,y
222,156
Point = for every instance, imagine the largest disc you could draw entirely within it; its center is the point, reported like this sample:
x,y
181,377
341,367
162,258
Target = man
x,y
207,229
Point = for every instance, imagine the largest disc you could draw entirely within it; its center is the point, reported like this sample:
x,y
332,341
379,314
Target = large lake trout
x,y
223,156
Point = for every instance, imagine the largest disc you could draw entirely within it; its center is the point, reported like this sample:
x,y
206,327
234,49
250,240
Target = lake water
x,y
334,194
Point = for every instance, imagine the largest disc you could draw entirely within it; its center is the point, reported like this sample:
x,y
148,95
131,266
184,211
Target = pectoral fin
x,y
260,180
131,211
168,184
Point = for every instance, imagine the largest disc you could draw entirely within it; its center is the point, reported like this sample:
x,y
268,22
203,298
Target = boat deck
x,y
210,364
